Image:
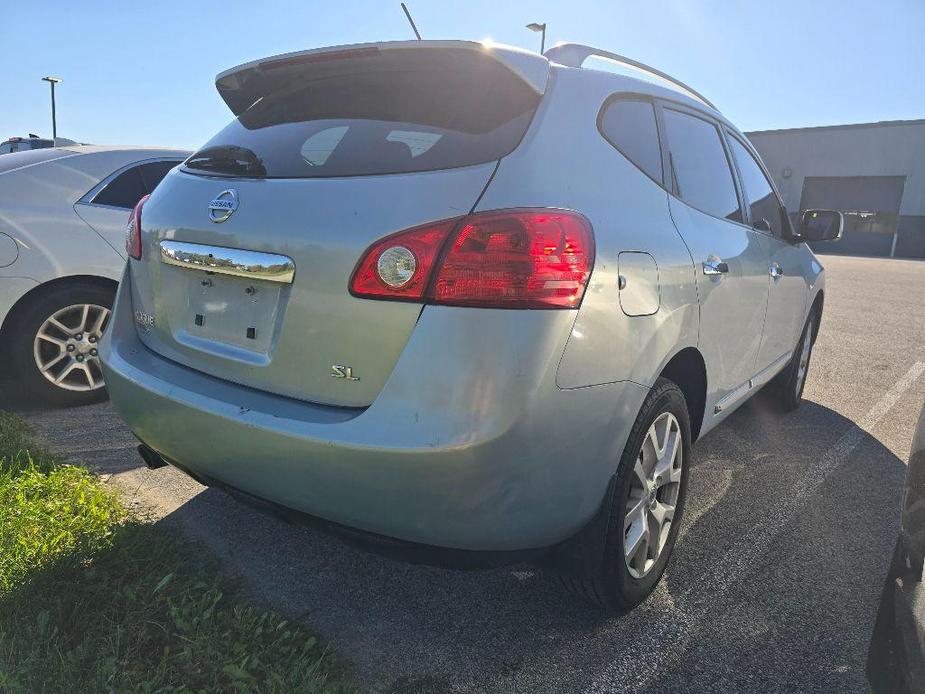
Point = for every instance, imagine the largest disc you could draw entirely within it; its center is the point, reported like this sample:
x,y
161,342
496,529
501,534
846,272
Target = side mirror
x,y
821,225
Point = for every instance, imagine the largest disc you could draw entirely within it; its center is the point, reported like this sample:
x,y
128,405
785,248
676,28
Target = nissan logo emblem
x,y
223,205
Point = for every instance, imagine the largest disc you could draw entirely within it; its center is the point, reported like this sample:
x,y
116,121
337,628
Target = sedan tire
x,y
53,342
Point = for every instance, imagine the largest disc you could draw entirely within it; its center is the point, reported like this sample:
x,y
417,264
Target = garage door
x,y
871,207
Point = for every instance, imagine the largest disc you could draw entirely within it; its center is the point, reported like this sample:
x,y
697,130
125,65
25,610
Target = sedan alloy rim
x,y
653,497
66,347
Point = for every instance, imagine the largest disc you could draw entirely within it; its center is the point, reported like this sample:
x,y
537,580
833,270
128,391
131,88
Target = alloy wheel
x,y
653,496
66,347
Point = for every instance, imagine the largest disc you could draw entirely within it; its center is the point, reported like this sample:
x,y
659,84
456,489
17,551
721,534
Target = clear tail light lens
x,y
522,258
133,231
386,261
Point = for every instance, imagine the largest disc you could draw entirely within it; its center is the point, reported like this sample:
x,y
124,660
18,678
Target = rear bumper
x,y
469,458
402,550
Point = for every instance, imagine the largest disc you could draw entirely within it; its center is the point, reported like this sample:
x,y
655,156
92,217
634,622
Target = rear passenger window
x,y
125,190
699,166
759,195
630,127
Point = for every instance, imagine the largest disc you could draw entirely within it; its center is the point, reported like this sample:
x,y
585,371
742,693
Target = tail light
x,y
133,231
524,258
375,275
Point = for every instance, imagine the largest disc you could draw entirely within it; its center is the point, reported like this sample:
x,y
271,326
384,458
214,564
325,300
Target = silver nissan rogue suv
x,y
463,300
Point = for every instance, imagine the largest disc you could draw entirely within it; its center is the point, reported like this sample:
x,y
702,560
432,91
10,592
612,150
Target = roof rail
x,y
575,54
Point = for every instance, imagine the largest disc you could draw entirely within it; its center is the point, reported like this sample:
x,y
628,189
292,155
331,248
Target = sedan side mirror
x,y
821,225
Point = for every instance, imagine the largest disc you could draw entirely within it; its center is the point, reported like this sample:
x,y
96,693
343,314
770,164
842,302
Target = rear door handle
x,y
715,266
776,271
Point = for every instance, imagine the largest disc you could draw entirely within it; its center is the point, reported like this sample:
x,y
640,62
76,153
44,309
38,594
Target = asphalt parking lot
x,y
773,587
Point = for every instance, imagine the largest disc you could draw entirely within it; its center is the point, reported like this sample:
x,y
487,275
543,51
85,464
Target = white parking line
x,y
624,673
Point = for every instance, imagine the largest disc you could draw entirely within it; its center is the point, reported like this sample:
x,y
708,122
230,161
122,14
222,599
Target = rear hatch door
x,y
249,247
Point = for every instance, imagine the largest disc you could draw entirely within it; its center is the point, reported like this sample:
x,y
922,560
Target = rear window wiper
x,y
231,159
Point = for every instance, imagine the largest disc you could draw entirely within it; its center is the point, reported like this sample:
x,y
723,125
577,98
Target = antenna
x,y
411,21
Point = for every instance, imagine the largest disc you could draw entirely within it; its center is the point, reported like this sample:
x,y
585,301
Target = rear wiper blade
x,y
229,159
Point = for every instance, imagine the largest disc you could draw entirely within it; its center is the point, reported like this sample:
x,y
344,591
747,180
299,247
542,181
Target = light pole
x,y
54,122
533,26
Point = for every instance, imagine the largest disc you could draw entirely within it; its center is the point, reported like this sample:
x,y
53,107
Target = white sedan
x,y
63,213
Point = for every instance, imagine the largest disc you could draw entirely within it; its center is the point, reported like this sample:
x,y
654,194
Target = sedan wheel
x,y
66,347
52,342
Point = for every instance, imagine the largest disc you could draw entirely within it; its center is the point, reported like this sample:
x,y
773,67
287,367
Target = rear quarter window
x,y
372,122
629,125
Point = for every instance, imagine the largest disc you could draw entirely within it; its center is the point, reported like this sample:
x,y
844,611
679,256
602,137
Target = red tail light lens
x,y
133,231
517,259
528,258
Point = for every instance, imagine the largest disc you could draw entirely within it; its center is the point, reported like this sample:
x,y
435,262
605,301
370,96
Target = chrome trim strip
x,y
771,371
237,262
732,397
756,381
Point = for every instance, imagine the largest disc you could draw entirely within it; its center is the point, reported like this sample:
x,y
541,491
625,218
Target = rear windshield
x,y
373,122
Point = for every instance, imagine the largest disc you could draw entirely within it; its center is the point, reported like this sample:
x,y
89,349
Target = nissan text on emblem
x,y
223,205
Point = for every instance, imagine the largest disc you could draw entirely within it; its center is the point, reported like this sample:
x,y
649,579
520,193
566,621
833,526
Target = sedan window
x,y
154,171
125,190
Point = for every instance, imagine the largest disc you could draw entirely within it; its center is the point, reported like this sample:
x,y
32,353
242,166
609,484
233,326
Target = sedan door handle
x,y
715,266
776,271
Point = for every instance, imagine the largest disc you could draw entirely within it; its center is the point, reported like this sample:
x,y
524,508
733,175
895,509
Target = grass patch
x,y
92,600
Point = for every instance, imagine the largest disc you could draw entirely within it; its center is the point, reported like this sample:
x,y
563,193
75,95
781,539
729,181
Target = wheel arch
x,y
48,286
687,370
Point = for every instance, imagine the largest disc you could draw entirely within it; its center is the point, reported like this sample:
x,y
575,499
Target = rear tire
x,y
71,337
607,563
788,385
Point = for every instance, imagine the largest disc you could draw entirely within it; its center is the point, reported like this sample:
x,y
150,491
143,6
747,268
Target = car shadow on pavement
x,y
799,617
12,398
415,628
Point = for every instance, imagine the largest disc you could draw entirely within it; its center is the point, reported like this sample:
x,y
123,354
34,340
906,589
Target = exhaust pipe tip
x,y
152,459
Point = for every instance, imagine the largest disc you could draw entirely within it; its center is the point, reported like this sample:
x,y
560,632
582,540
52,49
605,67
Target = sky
x,y
143,73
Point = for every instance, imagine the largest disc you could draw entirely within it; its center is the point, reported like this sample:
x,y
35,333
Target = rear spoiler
x,y
242,86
